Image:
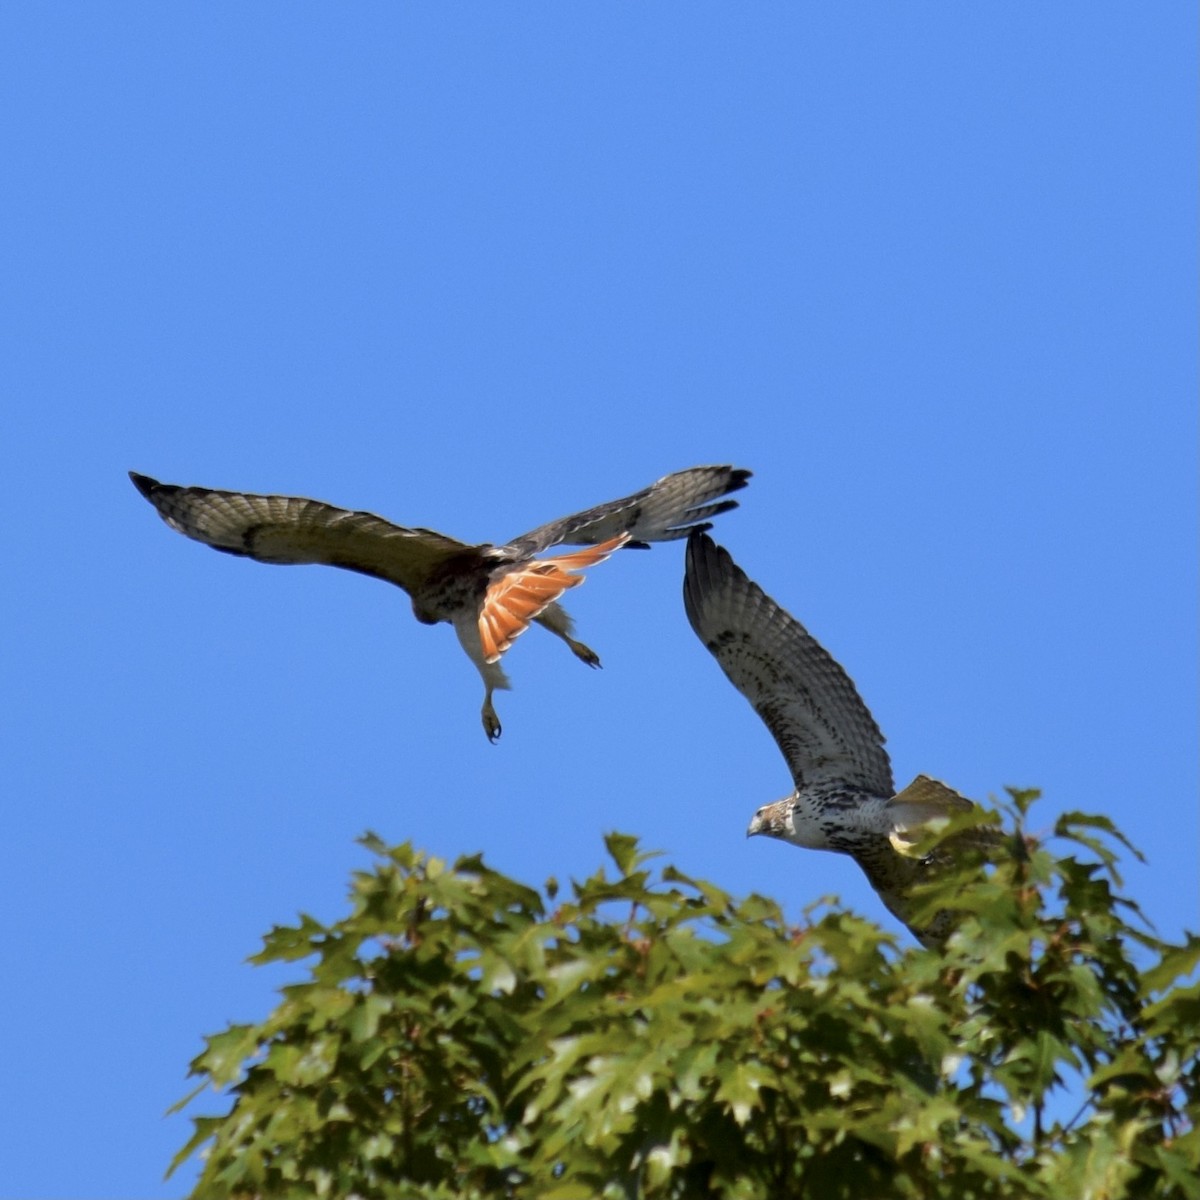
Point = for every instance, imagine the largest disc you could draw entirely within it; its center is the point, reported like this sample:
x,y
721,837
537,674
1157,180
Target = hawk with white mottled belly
x,y
844,799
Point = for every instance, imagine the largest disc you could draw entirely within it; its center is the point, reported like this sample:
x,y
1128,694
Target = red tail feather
x,y
515,599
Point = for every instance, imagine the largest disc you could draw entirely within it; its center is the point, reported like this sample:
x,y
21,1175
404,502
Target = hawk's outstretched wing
x,y
806,700
666,510
291,529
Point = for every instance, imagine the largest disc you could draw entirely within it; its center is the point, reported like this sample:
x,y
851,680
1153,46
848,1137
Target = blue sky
x,y
928,271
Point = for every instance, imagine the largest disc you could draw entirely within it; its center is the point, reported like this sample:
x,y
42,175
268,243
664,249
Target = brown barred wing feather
x,y
662,512
293,529
806,700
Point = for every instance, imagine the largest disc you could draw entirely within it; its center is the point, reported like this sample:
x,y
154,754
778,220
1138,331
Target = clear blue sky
x,y
927,270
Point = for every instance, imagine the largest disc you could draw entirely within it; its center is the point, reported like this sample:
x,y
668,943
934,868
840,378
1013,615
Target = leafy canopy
x,y
460,1034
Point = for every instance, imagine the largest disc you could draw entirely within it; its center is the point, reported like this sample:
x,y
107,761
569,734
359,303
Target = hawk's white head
x,y
774,820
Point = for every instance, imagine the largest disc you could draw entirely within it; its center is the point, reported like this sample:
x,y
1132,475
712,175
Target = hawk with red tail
x,y
490,594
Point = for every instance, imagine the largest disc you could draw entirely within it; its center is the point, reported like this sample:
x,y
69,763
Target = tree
x,y
460,1034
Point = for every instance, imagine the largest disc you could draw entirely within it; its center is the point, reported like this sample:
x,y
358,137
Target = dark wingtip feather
x,y
707,566
715,510
738,478
148,486
699,547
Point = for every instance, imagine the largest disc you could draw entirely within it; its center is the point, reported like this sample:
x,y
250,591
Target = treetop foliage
x,y
460,1034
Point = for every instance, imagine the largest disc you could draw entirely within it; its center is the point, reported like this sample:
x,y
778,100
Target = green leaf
x,y
739,1089
225,1053
622,848
363,1020
287,943
1174,963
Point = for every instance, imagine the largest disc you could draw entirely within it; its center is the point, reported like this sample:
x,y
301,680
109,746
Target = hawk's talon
x,y
491,724
583,653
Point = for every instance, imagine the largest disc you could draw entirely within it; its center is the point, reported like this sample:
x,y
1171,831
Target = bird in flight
x,y
490,594
844,799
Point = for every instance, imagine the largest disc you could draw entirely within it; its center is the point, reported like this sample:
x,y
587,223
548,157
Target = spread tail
x,y
515,599
923,801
